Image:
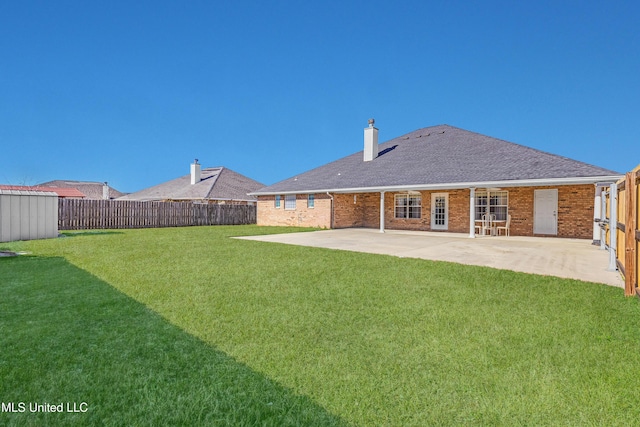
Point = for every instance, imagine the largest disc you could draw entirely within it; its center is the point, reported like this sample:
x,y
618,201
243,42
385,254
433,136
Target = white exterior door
x,y
545,212
440,211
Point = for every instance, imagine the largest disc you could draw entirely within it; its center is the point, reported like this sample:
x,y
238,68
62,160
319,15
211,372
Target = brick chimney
x,y
370,142
195,172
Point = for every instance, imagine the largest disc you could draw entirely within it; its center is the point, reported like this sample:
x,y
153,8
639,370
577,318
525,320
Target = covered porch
x,y
534,210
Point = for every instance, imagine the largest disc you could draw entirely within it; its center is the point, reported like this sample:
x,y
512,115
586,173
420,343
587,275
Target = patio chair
x,y
486,224
504,227
481,225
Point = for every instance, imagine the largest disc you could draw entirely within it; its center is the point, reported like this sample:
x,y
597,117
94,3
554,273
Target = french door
x,y
439,211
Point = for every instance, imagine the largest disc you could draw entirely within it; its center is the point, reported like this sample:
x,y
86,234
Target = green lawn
x,y
185,326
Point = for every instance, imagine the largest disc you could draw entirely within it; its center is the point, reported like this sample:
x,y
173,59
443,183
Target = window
x,y
290,202
492,202
311,201
277,202
408,205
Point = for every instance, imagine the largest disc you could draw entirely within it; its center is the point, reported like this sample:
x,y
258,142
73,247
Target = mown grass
x,y
334,336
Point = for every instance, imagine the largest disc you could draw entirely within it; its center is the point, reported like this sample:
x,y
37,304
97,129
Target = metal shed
x,y
28,215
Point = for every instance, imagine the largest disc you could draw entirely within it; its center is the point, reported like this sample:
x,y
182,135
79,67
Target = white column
x,y
603,216
382,211
597,205
472,213
613,226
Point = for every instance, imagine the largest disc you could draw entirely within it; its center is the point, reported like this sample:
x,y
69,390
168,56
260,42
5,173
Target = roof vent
x,y
370,142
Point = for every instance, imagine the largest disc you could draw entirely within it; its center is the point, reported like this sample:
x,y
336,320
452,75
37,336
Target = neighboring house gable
x,y
63,193
212,185
91,190
428,180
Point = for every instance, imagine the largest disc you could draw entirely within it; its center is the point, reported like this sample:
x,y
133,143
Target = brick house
x,y
89,189
442,178
217,185
62,192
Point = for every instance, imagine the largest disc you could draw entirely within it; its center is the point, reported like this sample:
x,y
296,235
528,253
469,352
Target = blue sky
x,y
132,92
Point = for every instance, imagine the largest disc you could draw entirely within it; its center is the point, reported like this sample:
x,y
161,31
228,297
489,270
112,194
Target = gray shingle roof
x,y
93,190
216,184
434,156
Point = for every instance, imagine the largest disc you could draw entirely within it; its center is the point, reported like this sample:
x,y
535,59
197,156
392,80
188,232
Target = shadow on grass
x,y
69,338
84,233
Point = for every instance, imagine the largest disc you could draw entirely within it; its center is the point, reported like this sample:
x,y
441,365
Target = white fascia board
x,y
29,193
457,185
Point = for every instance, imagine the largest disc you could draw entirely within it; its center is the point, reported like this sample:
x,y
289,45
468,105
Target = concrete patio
x,y
569,258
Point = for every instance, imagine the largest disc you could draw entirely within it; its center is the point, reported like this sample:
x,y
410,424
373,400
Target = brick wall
x,y
349,210
575,211
302,216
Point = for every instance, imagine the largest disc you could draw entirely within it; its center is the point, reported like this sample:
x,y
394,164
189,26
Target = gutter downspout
x,y
472,213
331,211
382,211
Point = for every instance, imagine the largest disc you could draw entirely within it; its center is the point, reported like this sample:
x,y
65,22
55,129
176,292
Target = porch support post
x,y
613,226
603,216
472,213
597,205
382,211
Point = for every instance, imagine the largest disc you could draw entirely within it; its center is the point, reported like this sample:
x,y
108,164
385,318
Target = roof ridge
x,y
215,180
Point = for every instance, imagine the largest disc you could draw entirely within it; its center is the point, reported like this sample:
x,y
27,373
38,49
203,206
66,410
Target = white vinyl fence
x,y
28,215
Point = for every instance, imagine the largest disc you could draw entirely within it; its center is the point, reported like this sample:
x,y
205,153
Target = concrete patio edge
x,y
567,258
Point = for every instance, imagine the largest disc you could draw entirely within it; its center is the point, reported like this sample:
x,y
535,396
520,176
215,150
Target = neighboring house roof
x,y
92,190
61,192
217,183
441,157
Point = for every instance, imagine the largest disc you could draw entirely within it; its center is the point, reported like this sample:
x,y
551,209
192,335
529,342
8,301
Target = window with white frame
x,y
311,201
277,202
492,202
290,202
408,206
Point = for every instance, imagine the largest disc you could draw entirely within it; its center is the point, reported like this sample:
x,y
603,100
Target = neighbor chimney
x,y
195,172
105,191
370,142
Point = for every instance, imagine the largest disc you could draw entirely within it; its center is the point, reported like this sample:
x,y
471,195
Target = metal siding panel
x,y
51,217
33,217
41,214
28,215
16,225
46,218
5,218
8,218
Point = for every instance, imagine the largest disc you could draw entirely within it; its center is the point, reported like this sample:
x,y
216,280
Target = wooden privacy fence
x,y
81,214
622,234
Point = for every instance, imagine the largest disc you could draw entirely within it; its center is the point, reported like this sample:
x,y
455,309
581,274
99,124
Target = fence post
x,y
630,235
